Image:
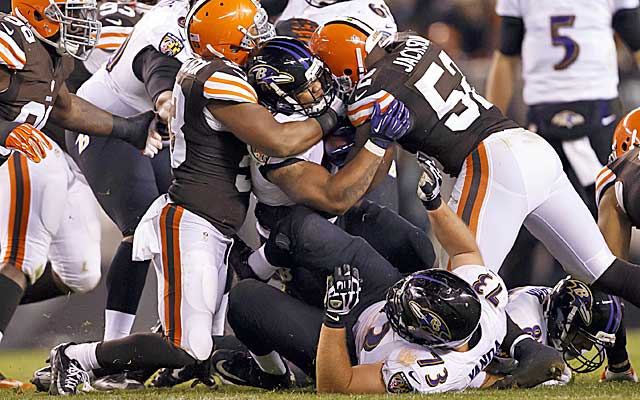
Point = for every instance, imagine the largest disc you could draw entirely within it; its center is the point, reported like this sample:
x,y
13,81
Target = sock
x,y
617,355
621,279
259,264
142,350
85,354
11,295
117,324
125,282
46,287
271,363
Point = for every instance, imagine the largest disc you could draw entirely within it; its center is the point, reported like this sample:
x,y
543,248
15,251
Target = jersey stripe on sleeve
x,y
111,37
604,179
360,111
11,55
223,86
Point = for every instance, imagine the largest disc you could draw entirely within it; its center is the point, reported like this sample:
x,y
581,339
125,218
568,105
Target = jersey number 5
x,y
571,48
461,105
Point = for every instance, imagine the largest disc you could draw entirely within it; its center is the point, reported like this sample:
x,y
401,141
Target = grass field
x,y
20,365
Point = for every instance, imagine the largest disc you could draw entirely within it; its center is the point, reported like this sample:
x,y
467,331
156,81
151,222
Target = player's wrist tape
x,y
431,205
134,129
328,121
374,148
333,321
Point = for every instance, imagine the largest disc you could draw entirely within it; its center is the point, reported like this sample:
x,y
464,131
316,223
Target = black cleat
x,y
201,372
41,379
537,363
239,368
66,373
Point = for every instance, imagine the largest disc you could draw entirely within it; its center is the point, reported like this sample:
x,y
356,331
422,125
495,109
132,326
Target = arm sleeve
x,y
511,36
156,70
626,23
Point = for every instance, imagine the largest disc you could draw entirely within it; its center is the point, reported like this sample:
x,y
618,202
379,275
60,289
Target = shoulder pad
x,y
228,83
14,36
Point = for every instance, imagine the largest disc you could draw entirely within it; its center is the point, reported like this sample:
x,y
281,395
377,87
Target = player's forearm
x,y
352,182
81,116
293,138
500,81
333,365
614,225
455,237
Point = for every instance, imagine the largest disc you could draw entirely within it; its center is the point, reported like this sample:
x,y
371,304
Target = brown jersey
x,y
624,175
37,74
449,118
210,165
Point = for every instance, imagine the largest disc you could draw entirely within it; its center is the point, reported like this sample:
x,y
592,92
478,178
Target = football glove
x,y
29,141
391,125
430,182
343,293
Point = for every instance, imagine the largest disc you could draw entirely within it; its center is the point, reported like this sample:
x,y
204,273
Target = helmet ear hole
x,y
38,16
348,71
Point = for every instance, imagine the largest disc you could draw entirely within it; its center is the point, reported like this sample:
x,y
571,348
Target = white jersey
x,y
374,13
161,28
411,367
526,309
568,53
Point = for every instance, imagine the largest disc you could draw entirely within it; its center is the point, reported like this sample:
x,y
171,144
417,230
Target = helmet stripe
x,y
355,23
293,53
615,315
293,49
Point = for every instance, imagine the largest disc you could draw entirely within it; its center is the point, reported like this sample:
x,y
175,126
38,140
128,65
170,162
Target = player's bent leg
x,y
270,322
408,248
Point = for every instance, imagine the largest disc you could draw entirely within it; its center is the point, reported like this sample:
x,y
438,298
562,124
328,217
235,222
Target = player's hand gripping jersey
x,y
409,367
449,117
624,175
299,19
210,165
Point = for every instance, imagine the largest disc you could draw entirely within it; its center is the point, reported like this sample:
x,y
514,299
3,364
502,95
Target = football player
x,y
44,212
188,232
581,323
506,176
570,72
415,340
138,77
293,83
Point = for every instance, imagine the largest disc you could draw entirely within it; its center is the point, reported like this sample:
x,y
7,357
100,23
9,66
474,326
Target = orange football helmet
x,y
341,44
625,137
229,28
71,26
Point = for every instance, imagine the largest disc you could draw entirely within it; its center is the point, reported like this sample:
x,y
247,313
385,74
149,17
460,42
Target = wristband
x,y
374,148
432,204
328,121
329,322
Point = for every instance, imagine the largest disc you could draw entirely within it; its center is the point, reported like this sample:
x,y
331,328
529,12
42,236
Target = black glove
x,y
391,125
430,182
343,293
134,130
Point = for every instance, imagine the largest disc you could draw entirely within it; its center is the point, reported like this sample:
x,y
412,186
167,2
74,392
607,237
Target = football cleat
x,y
199,372
41,379
66,373
537,363
6,383
627,375
116,382
239,368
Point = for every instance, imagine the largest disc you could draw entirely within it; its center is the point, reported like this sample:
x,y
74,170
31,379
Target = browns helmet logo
x,y
267,75
430,321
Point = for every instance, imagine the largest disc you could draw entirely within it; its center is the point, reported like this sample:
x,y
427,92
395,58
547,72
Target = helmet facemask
x,y
79,27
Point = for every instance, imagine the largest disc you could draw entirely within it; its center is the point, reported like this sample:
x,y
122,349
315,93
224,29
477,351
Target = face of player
x,y
311,94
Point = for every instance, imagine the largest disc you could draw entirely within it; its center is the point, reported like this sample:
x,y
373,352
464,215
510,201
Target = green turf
x,y
20,365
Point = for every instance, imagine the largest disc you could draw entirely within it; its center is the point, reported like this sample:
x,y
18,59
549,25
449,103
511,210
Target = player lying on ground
x,y
273,324
581,323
